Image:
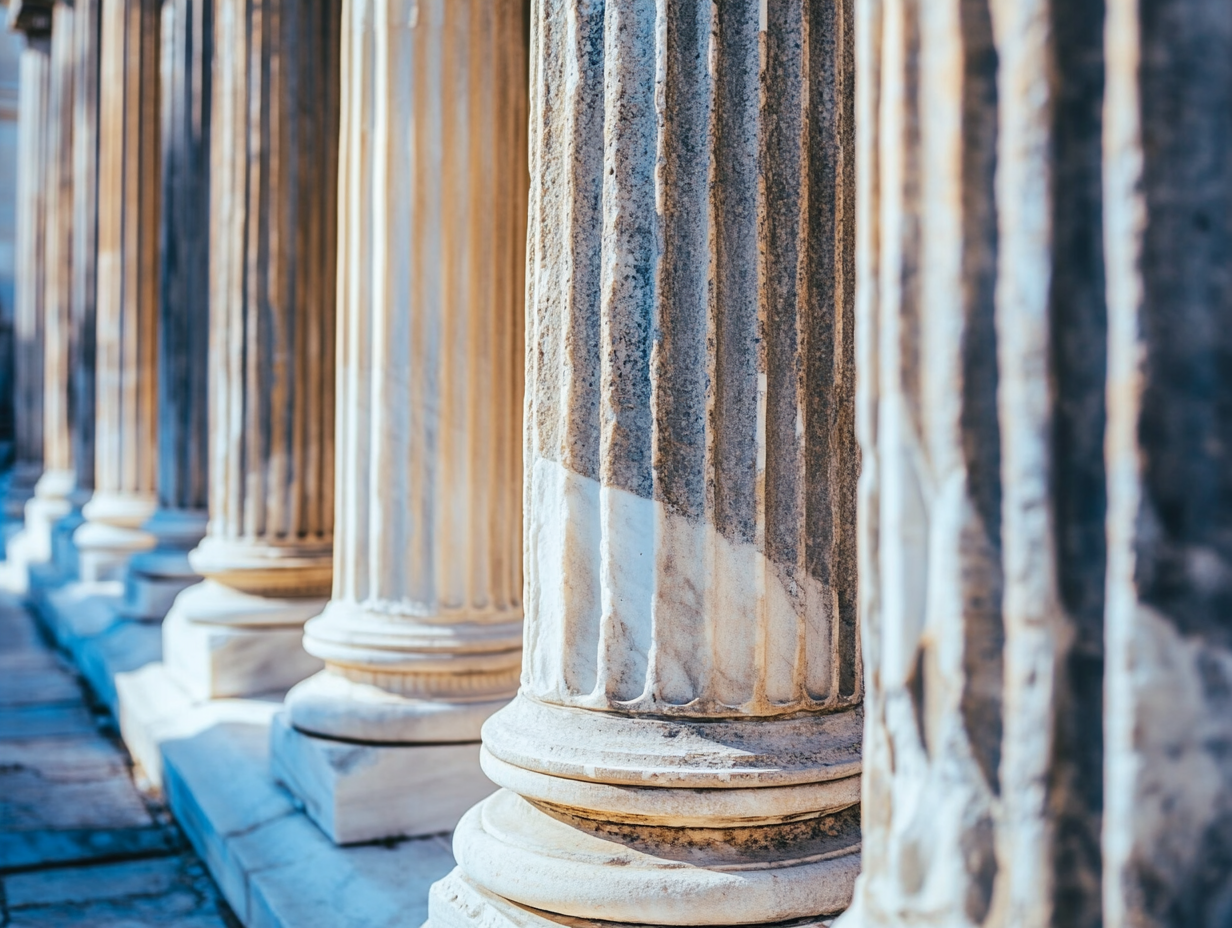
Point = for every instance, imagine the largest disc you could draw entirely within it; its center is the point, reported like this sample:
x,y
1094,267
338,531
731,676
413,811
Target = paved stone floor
x,y
80,844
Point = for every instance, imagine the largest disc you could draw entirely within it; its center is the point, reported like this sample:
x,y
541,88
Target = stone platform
x,y
210,760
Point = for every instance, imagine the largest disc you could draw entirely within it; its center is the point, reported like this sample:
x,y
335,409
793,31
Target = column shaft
x,y
423,636
30,261
155,578
982,328
1168,807
82,296
267,554
126,372
50,501
691,476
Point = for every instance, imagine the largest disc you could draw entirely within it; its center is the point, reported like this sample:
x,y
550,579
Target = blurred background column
x,y
685,747
11,44
33,20
126,370
267,555
87,35
51,495
156,577
423,637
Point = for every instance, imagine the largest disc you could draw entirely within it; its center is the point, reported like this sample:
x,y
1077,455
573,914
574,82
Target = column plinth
x,y
422,639
127,301
267,553
685,745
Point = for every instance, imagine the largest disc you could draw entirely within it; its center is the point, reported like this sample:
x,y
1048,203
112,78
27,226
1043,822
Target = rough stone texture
x,y
422,639
691,474
154,578
126,330
1168,829
273,251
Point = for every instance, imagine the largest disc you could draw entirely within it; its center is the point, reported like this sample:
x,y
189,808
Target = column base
x,y
63,549
560,863
221,642
457,902
357,793
18,489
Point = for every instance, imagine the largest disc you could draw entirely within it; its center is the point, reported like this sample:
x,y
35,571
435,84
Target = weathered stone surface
x,y
690,475
1168,821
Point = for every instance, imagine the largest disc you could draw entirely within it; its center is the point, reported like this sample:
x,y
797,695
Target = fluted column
x,y
50,501
982,340
685,747
422,639
156,577
83,285
1167,843
34,21
267,554
127,302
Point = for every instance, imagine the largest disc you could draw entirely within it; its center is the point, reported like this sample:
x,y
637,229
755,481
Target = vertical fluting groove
x,y
183,368
690,446
87,25
273,271
430,391
128,216
28,316
57,440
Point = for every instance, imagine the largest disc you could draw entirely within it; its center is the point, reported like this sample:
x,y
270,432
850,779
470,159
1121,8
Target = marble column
x,y
267,554
51,494
87,34
981,328
685,746
126,372
156,577
34,21
1168,182
423,636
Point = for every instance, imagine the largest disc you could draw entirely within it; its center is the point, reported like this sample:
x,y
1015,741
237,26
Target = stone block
x,y
218,661
364,792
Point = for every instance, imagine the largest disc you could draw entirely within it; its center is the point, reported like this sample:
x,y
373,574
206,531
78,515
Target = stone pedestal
x,y
156,577
685,746
267,554
127,301
422,639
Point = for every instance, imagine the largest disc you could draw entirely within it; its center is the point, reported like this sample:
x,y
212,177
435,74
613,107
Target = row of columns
x,y
1019,713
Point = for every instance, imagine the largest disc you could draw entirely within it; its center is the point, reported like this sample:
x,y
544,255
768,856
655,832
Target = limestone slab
x,y
365,792
274,866
217,661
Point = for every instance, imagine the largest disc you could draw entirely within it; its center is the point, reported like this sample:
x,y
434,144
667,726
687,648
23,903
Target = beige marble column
x,y
34,21
83,286
50,501
267,554
981,328
126,370
156,577
685,746
423,636
1168,182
